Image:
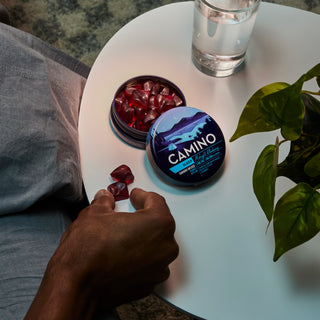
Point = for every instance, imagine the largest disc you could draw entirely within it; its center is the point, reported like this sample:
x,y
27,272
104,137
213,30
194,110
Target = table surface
x,y
225,268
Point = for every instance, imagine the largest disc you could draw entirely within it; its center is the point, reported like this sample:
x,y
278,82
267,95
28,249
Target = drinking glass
x,y
221,32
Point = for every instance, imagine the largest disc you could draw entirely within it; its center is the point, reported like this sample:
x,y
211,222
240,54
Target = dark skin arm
x,y
106,258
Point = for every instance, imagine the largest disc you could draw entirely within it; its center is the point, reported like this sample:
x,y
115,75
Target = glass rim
x,y
256,3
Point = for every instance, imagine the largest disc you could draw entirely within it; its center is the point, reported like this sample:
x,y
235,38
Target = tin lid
x,y
186,146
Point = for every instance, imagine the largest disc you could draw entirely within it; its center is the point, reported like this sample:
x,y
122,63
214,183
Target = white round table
x,y
225,269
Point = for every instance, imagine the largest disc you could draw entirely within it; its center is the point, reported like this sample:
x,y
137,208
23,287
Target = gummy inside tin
x,y
139,103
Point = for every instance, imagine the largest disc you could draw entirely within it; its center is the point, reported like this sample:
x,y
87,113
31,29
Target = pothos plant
x,y
296,112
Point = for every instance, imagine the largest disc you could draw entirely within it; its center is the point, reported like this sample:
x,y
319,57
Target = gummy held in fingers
x,y
119,190
123,174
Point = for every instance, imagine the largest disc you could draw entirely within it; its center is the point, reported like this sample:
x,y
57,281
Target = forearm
x,y
61,296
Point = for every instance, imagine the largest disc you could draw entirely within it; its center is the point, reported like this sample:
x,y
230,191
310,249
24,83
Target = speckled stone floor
x,y
81,28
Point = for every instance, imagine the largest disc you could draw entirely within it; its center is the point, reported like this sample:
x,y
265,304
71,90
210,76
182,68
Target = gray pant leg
x,y
27,241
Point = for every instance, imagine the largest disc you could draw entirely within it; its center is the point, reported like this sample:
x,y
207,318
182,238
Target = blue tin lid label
x,y
187,145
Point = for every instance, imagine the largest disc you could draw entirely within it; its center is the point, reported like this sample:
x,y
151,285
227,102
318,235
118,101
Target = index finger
x,y
104,199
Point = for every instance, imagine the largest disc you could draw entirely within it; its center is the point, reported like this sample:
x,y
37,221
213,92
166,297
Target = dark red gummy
x,y
148,85
151,116
127,113
134,102
123,174
138,125
139,113
155,89
139,98
119,190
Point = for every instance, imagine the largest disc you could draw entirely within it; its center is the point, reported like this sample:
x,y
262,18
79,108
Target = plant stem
x,y
282,141
310,92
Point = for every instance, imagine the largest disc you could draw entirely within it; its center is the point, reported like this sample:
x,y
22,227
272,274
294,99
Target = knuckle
x,y
104,200
157,197
168,223
164,275
160,197
174,253
161,275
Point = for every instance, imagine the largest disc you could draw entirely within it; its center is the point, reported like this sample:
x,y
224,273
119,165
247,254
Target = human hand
x,y
120,256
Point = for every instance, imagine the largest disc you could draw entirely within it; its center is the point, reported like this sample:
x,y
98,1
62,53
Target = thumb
x,y
141,199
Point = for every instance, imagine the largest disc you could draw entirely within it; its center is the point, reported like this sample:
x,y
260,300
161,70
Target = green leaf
x,y
301,151
314,72
296,218
312,167
285,109
251,119
311,120
264,178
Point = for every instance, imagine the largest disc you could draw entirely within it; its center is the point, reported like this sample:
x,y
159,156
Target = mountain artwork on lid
x,y
187,145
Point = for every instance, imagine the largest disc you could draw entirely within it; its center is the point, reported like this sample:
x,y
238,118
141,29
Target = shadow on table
x,y
303,264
